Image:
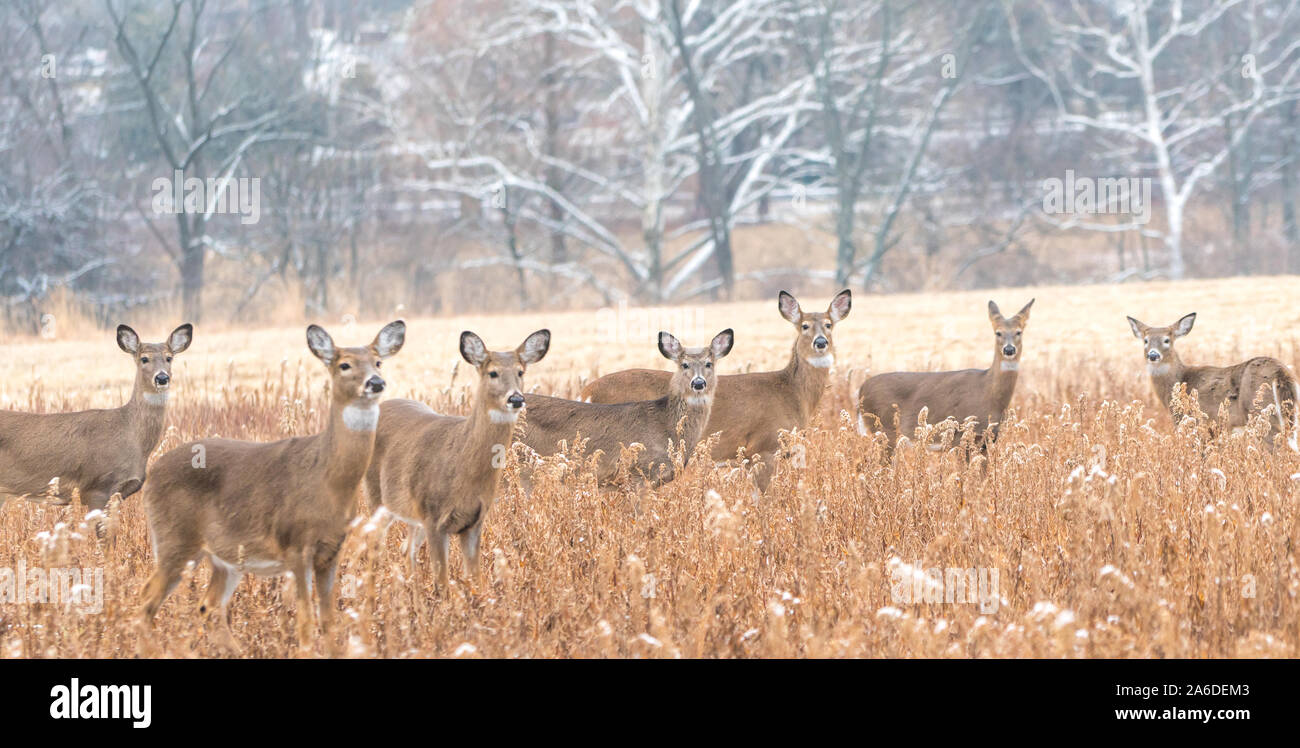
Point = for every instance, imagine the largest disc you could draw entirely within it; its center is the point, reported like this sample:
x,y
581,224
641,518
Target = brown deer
x,y
268,508
439,474
1260,380
677,416
98,452
750,410
979,394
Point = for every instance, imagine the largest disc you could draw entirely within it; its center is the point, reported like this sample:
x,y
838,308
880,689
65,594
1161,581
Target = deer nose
x,y
1008,350
515,400
698,383
162,379
374,385
820,343
1153,355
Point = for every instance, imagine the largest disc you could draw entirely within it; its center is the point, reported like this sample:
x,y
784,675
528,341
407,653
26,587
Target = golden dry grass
x,y
1115,532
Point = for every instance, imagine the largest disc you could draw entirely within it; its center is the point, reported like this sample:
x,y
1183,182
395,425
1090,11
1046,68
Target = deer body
x,y
439,474
98,452
270,508
1240,386
653,423
979,394
750,410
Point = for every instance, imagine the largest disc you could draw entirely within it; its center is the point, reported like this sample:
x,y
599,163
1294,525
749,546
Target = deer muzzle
x,y
515,401
1153,355
162,379
374,385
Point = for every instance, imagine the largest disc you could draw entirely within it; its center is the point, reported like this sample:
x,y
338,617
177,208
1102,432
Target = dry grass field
x,y
1112,531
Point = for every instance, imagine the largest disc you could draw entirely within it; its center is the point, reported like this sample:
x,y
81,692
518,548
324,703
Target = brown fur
x,y
268,508
440,473
653,423
750,410
98,452
979,394
1247,387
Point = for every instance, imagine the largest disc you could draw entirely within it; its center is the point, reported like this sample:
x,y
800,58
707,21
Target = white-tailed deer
x,y
676,415
750,410
981,394
98,452
439,474
1247,387
270,508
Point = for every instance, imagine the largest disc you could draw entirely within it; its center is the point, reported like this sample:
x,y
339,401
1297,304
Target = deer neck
x,y
692,411
1000,382
1165,374
348,444
807,381
146,413
487,429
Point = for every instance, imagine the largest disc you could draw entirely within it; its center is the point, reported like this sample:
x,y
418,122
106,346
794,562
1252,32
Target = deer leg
x,y
225,578
326,569
439,544
413,544
302,587
469,541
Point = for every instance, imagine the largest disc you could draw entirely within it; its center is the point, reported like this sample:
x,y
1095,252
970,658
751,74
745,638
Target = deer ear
x,y
840,305
789,307
1184,325
669,346
1023,314
180,338
722,343
128,340
534,347
472,349
390,339
1139,329
995,314
321,344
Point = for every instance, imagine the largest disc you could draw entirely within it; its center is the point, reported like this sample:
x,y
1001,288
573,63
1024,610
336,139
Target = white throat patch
x,y
503,416
361,417
1010,365
698,400
1156,370
824,361
155,398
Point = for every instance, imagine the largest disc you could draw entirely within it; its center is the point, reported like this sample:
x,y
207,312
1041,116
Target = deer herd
x,y
287,506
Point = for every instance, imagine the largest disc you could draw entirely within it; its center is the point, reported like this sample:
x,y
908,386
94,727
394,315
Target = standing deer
x,y
981,394
677,415
439,474
1215,384
98,452
268,508
750,410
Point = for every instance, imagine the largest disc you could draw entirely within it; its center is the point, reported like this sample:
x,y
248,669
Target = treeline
x,y
526,153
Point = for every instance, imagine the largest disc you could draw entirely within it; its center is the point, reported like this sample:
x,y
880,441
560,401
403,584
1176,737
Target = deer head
x,y
815,344
153,361
354,372
1158,342
501,373
695,377
1007,335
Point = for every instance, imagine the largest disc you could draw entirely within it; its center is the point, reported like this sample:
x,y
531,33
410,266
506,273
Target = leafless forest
x,y
242,160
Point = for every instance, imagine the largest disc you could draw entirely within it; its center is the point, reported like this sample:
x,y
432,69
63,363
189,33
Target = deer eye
x,y
1166,341
493,374
169,359
378,364
521,372
1017,333
144,359
708,365
827,324
685,366
998,333
344,367
805,325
